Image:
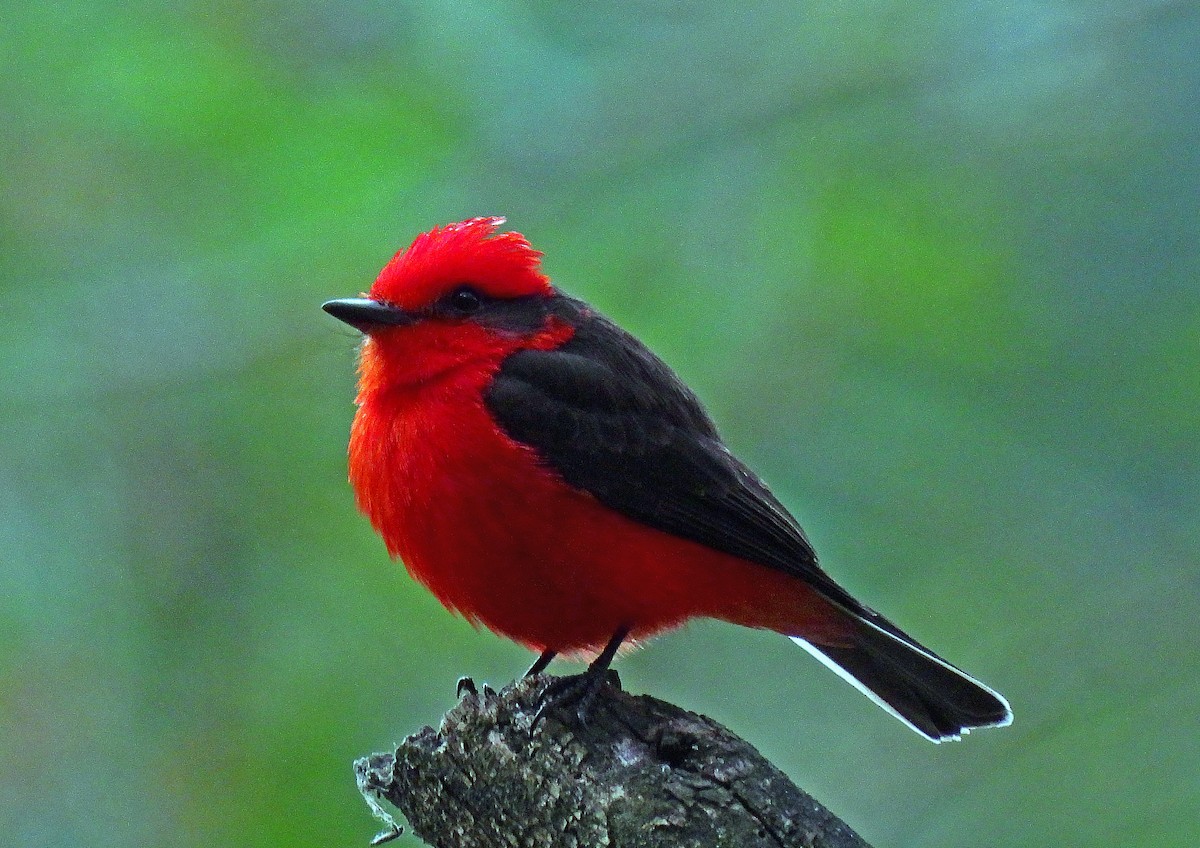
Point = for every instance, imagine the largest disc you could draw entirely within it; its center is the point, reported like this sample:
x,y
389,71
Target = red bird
x,y
544,474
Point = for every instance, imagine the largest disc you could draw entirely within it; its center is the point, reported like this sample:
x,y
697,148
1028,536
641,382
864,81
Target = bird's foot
x,y
573,696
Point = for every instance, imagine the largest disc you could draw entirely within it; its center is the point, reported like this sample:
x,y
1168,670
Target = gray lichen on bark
x,y
641,773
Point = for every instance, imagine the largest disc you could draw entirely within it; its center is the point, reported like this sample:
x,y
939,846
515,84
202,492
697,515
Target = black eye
x,y
465,300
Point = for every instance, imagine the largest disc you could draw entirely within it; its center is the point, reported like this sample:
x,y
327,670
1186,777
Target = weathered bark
x,y
640,774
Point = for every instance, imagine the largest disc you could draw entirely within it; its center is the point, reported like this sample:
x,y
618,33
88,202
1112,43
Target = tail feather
x,y
911,682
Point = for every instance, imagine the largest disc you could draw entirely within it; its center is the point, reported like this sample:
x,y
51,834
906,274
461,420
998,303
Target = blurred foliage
x,y
934,266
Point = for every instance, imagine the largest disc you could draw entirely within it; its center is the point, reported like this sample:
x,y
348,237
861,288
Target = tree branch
x,y
641,773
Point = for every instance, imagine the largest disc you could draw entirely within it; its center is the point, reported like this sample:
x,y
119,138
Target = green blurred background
x,y
933,266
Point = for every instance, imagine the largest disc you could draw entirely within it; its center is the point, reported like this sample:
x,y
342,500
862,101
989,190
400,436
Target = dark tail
x,y
911,682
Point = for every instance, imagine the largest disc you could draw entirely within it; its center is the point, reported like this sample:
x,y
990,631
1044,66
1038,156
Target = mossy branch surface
x,y
641,773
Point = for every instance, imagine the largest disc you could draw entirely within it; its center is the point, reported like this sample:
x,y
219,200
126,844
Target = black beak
x,y
364,314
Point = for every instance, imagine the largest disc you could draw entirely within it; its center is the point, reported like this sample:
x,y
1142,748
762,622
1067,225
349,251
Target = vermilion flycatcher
x,y
546,475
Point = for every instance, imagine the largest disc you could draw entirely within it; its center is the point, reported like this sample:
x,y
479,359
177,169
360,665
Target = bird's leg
x,y
579,690
541,662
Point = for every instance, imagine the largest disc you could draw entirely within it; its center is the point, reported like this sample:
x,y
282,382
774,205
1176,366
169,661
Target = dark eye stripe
x,y
516,314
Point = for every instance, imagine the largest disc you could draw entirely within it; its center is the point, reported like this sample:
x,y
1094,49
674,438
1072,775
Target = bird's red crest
x,y
503,265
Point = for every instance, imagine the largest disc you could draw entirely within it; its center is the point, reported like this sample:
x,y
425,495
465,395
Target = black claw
x,y
563,693
465,684
560,693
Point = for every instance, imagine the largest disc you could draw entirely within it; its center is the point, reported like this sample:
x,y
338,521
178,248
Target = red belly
x,y
501,539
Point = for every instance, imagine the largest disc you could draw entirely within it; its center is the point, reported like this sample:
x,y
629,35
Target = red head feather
x,y
502,266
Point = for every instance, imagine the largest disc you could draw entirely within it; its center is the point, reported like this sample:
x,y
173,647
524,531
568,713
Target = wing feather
x,y
612,419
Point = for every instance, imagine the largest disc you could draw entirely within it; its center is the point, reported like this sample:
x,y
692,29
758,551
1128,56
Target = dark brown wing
x,y
613,419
